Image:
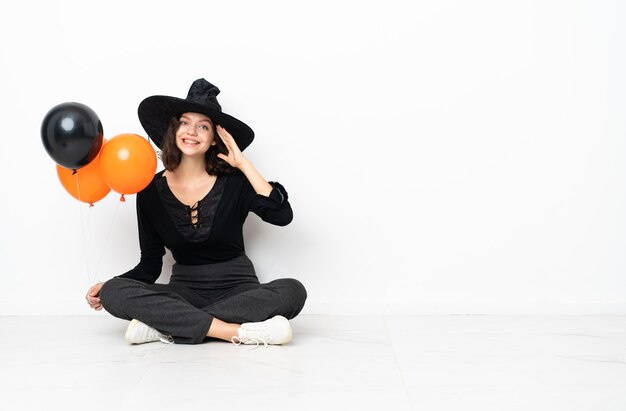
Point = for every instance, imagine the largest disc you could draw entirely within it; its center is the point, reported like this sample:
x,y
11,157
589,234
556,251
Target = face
x,y
195,134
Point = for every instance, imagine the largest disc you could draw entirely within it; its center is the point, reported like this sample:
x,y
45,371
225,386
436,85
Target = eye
x,y
203,127
183,123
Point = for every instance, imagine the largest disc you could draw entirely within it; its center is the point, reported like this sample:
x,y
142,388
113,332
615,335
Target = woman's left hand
x,y
234,157
93,296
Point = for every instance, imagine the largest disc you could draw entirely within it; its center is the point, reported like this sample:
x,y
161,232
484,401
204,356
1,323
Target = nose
x,y
191,130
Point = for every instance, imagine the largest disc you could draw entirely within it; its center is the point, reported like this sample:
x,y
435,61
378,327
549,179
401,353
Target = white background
x,y
441,157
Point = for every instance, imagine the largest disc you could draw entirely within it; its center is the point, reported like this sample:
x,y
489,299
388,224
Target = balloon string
x,y
106,240
82,230
88,234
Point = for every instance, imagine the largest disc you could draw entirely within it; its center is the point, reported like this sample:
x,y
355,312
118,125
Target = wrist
x,y
245,165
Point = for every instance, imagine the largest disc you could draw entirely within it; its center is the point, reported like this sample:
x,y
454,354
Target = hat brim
x,y
155,113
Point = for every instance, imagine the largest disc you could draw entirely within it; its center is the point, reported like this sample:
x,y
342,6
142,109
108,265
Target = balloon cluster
x,y
88,165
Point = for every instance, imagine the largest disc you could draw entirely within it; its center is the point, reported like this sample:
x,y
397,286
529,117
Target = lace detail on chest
x,y
192,223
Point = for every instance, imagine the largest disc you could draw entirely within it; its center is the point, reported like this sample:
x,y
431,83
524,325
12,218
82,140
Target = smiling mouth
x,y
187,141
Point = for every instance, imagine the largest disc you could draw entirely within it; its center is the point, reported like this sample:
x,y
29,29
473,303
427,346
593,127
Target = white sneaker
x,y
275,331
139,333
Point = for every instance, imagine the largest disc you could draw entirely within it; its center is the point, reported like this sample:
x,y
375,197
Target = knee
x,y
299,291
295,294
113,290
108,291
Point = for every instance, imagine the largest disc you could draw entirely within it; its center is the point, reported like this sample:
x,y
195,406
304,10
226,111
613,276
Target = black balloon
x,y
72,134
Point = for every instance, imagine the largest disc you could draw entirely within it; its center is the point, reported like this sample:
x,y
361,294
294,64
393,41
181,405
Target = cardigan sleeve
x,y
152,249
274,209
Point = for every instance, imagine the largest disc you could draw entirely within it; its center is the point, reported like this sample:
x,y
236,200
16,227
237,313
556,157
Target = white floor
x,y
334,363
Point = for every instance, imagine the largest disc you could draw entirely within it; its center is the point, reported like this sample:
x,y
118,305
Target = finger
x,y
224,157
225,132
221,129
226,140
225,135
231,145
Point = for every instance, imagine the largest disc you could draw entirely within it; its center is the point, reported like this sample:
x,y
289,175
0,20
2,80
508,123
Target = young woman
x,y
196,208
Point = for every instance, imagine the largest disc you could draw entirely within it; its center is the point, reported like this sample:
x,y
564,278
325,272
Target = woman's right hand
x,y
93,296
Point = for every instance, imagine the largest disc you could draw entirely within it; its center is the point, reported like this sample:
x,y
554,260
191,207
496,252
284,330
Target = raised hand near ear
x,y
234,157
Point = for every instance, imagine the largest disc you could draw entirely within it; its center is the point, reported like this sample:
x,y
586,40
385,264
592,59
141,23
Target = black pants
x,y
185,307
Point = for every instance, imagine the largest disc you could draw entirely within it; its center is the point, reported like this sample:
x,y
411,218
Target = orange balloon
x,y
127,163
86,184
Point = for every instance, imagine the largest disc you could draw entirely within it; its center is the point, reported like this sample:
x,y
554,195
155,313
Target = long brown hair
x,y
171,154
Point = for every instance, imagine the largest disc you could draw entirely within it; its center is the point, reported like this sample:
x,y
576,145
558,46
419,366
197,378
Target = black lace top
x,y
215,234
193,223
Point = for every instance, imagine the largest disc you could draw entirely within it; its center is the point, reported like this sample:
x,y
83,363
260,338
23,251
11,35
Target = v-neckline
x,y
180,214
178,199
